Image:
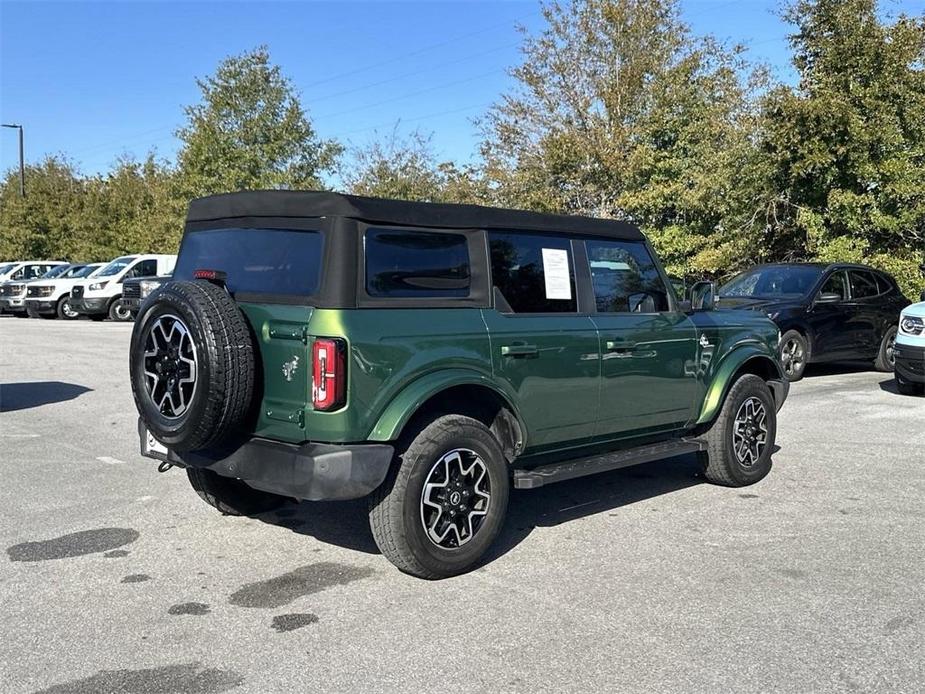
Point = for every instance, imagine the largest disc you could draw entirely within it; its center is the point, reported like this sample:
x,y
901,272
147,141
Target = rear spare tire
x,y
192,365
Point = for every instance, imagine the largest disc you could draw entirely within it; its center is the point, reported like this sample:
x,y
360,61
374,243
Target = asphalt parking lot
x,y
118,578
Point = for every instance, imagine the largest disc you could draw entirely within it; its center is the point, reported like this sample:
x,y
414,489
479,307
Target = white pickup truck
x,y
14,278
50,298
101,295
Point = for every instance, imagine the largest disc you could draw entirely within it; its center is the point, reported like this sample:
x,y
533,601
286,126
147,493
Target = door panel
x,y
867,321
649,381
648,352
832,323
552,362
546,351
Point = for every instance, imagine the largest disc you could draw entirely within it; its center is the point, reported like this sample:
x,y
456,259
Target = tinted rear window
x,y
416,264
257,261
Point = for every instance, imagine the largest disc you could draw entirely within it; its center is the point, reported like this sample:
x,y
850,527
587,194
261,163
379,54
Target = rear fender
x,y
409,400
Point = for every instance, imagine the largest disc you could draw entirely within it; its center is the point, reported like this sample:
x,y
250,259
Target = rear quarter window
x,y
405,263
256,261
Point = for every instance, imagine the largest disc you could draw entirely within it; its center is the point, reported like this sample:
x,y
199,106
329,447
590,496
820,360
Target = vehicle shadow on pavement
x,y
837,368
22,396
341,523
345,523
587,496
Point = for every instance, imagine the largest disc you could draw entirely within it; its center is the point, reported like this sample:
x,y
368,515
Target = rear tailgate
x,y
284,368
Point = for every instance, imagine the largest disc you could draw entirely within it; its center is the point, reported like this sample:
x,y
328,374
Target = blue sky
x,y
96,80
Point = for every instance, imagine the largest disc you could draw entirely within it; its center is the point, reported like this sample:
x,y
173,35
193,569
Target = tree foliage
x,y
617,110
406,168
847,144
249,131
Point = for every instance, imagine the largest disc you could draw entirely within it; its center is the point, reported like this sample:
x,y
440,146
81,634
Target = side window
x,y
863,284
884,283
416,264
146,268
625,278
33,271
533,272
18,275
836,284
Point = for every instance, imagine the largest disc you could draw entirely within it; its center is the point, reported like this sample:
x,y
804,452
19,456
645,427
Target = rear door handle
x,y
519,351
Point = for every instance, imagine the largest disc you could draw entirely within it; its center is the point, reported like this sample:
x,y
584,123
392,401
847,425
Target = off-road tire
x,y
60,311
225,379
720,464
231,496
394,508
797,337
117,313
882,362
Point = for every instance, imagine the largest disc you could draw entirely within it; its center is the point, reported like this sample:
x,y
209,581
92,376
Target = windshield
x,y
57,271
773,281
116,266
6,268
87,270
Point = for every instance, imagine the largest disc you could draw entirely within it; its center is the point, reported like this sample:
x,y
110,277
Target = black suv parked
x,y
825,312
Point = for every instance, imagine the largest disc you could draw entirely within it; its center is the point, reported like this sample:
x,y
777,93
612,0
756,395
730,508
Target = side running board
x,y
569,469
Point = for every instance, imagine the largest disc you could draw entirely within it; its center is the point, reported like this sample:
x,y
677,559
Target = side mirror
x,y
828,298
703,296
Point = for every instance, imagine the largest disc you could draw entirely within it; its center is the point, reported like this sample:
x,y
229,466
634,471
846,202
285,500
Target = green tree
x,y
406,168
250,132
847,144
42,224
619,111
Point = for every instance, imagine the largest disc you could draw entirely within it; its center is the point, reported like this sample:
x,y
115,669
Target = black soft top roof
x,y
307,204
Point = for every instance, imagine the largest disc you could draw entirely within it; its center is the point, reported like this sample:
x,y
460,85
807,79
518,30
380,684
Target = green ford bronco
x,y
430,357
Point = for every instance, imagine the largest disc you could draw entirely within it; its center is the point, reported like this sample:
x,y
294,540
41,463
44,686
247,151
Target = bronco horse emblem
x,y
289,367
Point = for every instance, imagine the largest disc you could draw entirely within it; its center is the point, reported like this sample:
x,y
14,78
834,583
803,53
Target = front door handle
x,y
619,346
519,351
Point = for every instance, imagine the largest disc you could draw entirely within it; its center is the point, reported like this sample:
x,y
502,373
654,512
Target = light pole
x,y
22,166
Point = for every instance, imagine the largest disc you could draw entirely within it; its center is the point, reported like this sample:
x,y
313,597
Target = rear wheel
x,y
741,440
794,352
886,359
231,496
444,500
64,310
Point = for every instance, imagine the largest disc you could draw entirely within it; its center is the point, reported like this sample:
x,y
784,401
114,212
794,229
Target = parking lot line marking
x,y
110,461
19,436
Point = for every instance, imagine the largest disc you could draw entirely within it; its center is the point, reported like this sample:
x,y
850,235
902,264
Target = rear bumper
x,y
312,471
910,362
781,389
90,306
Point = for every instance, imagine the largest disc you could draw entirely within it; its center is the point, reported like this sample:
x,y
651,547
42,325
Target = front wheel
x,y
794,352
741,440
64,310
444,501
118,312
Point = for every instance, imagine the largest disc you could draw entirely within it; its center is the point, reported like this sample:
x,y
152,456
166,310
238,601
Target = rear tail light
x,y
329,373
